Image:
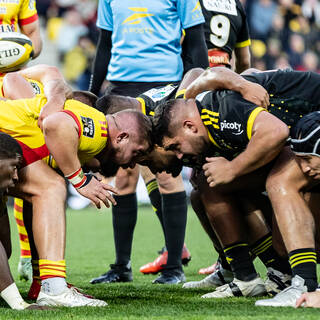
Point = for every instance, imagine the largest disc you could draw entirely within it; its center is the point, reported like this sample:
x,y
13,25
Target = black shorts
x,y
134,89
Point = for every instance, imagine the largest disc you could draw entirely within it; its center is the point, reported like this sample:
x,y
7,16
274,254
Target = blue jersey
x,y
146,37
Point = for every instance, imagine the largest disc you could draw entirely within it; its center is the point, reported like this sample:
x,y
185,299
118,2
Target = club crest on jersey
x,y
231,126
88,127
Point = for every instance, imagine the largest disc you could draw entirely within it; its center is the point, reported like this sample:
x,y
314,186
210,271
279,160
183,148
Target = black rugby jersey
x,y
229,120
152,98
225,25
293,94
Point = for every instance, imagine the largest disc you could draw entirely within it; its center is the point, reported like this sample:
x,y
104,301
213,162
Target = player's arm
x,y
61,134
194,49
32,30
101,61
267,136
188,78
220,78
243,58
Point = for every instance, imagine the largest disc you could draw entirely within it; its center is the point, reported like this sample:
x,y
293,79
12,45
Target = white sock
x,y
53,286
13,298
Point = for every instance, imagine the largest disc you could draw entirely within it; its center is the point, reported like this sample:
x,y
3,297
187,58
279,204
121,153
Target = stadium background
x,y
284,33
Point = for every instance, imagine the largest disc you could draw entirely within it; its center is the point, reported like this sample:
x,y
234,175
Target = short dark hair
x,y
9,147
161,120
145,126
112,103
85,97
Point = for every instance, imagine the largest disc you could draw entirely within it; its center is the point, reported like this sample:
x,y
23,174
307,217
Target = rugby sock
x,y
174,206
264,250
155,198
223,261
52,274
303,263
35,270
238,256
124,218
23,235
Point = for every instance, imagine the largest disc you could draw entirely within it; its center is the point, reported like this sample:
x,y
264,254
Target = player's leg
x,y
174,211
47,195
173,188
24,266
8,289
297,227
124,218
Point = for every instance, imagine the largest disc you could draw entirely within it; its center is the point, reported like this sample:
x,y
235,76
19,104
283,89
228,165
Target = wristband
x,y
77,179
88,176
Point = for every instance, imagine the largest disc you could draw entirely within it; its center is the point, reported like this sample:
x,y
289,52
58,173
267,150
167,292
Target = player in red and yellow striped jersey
x,y
27,83
21,15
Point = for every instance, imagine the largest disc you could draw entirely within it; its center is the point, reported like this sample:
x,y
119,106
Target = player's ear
x,y
190,126
122,136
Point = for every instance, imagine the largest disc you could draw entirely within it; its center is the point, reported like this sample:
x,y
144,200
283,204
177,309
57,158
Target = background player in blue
x,y
226,30
140,48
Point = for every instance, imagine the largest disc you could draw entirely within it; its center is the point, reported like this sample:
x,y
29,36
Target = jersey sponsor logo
x,y
223,6
6,28
88,127
197,7
10,1
157,94
231,126
32,4
35,87
136,17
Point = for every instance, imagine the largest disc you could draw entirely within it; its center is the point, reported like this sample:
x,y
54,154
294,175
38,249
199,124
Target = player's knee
x,y
126,180
56,186
168,184
276,186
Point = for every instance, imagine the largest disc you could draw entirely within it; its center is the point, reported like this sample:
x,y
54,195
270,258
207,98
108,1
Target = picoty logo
x,y
231,126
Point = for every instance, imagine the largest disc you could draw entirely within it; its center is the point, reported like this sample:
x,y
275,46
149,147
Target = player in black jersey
x,y
236,138
226,30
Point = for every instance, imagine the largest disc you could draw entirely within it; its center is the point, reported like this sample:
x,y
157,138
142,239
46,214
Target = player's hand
x,y
218,171
255,93
309,299
98,192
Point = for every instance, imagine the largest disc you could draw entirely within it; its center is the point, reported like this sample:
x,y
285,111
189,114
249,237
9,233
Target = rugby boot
x,y
158,264
239,288
277,281
218,278
25,269
287,297
170,276
208,270
70,297
117,273
36,287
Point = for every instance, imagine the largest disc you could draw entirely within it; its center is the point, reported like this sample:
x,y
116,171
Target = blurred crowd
x,y
284,33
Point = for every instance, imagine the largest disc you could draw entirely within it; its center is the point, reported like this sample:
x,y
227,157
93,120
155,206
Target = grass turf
x,y
90,251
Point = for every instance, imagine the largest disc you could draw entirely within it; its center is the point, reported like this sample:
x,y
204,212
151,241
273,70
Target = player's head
x,y
10,158
85,97
305,143
129,137
112,103
176,127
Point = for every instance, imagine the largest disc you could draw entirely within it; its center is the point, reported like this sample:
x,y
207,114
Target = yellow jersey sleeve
x,y
92,128
28,12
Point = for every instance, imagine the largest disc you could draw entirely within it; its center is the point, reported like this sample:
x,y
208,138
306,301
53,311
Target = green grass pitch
x,y
90,251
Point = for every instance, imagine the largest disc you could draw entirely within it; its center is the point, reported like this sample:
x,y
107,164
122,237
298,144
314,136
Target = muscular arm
x,y
32,30
242,59
101,61
269,135
61,136
223,78
194,49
